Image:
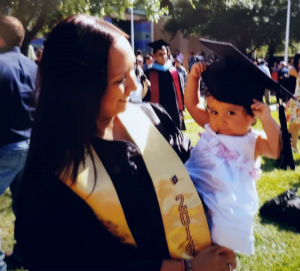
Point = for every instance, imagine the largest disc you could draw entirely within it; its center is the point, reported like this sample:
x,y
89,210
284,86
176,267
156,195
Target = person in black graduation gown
x,y
166,88
87,75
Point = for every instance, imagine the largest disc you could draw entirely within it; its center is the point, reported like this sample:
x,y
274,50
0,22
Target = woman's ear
x,y
2,42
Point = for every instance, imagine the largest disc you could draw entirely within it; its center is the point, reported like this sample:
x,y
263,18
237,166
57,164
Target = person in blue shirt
x,y
17,84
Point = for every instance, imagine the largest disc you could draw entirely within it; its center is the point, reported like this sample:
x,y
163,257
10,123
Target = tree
x,y
247,24
41,15
272,20
235,25
192,19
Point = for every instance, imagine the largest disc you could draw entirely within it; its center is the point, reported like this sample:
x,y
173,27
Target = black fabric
x,y
289,83
233,78
283,209
286,159
157,45
167,96
57,230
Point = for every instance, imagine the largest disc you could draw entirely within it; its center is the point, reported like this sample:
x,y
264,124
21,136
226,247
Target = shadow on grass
x,y
280,226
270,164
283,210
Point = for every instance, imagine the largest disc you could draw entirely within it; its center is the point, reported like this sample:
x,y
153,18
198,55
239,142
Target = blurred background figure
x,y
179,56
293,106
192,60
39,55
31,53
282,70
139,62
148,61
274,71
181,72
17,85
263,66
195,58
166,88
142,82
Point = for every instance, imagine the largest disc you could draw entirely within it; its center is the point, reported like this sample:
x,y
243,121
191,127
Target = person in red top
x,y
166,88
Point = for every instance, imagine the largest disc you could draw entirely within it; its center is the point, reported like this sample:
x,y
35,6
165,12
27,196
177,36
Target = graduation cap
x,y
157,45
233,78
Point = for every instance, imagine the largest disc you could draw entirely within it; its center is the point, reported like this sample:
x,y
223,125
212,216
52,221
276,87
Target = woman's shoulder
x,y
164,123
155,112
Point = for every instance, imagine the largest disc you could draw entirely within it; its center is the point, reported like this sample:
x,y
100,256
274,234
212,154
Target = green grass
x,y
6,222
276,248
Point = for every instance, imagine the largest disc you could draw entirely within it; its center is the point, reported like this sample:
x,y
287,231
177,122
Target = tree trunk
x,y
29,35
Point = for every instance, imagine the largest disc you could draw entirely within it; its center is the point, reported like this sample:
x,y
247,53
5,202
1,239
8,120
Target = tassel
x,y
286,159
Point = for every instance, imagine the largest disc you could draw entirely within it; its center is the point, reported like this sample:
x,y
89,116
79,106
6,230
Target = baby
x,y
224,164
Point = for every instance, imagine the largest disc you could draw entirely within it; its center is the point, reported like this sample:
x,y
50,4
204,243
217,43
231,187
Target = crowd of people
x,y
287,75
102,176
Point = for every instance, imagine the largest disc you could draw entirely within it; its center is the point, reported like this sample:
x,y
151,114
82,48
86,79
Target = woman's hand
x,y
214,257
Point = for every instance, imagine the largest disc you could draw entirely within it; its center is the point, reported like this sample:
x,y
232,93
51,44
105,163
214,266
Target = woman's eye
x,y
121,81
231,113
213,112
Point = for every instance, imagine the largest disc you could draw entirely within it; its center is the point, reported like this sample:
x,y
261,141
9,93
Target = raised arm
x,y
191,95
271,145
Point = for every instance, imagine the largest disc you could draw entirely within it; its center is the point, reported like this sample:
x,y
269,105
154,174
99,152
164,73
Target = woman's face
x,y
228,119
121,79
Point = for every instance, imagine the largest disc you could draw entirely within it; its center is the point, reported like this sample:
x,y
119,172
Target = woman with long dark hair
x,y
104,186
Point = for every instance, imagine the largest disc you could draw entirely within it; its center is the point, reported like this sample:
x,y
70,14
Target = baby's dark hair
x,y
246,106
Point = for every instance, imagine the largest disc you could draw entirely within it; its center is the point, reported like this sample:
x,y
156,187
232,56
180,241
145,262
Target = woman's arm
x,y
191,95
212,258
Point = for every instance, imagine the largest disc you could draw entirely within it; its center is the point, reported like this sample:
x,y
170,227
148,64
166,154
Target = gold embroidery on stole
x,y
182,212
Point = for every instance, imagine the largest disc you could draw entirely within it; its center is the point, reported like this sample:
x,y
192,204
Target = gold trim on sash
x,y
181,208
102,198
185,225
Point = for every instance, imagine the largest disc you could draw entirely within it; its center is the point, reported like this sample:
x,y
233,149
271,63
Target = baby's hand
x,y
260,110
197,69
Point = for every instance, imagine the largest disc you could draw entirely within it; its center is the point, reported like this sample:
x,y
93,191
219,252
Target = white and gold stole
x,y
181,208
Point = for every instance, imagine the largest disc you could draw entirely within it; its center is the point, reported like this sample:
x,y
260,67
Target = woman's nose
x,y
131,82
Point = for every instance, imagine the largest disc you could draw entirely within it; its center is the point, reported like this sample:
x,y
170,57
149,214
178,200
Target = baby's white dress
x,y
224,172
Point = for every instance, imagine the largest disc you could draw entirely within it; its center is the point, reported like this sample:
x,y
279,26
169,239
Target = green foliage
x,y
42,15
6,222
247,24
238,27
192,19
